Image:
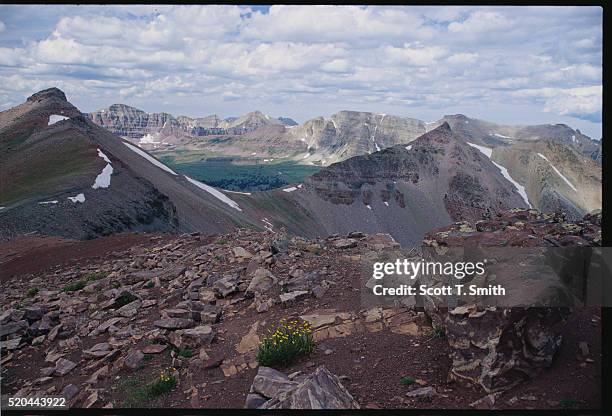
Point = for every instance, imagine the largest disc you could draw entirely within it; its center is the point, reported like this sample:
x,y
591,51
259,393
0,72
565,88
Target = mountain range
x,y
318,141
64,174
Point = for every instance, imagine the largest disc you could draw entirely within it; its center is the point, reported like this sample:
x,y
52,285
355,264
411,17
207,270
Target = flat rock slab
x,y
133,359
154,348
174,323
345,243
63,367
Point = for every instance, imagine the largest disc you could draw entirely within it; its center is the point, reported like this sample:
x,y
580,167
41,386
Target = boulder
x,y
226,286
344,243
261,282
320,390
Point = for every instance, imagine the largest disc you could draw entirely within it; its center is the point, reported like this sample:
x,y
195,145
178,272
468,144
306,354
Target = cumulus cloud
x,y
306,61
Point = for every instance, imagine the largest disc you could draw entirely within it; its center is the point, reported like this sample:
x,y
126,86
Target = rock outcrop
x,y
272,389
499,347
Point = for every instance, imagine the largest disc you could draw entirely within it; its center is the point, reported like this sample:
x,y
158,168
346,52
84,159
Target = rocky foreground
x,y
196,307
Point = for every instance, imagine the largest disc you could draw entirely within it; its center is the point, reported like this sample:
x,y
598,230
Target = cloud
x,y
583,102
462,58
418,56
305,61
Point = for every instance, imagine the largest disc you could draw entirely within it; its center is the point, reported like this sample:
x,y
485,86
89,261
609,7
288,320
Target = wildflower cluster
x,y
285,343
163,384
165,376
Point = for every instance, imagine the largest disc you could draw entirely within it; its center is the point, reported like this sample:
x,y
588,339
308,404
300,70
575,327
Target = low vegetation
x,y
287,342
31,292
81,283
73,287
137,393
407,381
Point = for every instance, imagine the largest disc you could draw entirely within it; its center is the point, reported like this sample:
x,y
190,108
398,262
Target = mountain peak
x,y
48,93
443,128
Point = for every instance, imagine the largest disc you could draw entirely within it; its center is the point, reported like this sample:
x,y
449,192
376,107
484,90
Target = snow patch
x,y
574,138
79,198
386,203
237,192
149,139
501,135
520,188
409,147
55,201
368,207
558,172
216,193
103,156
149,158
290,189
267,224
487,151
55,118
103,179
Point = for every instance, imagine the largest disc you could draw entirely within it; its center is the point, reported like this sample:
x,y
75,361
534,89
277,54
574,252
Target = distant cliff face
x,y
491,134
133,123
352,133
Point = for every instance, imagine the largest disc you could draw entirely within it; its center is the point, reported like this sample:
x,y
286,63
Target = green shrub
x,y
124,299
407,381
438,331
149,284
31,292
222,241
73,287
287,342
92,277
186,353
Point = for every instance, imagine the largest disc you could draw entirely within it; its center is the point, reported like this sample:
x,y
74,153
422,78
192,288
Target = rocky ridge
x,y
131,315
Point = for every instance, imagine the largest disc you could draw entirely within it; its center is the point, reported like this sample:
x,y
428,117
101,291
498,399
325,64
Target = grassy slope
x,y
69,161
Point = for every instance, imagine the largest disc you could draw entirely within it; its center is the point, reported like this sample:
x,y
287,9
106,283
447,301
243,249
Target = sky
x,y
511,65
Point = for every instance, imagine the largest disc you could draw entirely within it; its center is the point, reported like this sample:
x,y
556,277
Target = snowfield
x,y
214,192
487,151
55,118
150,158
558,172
